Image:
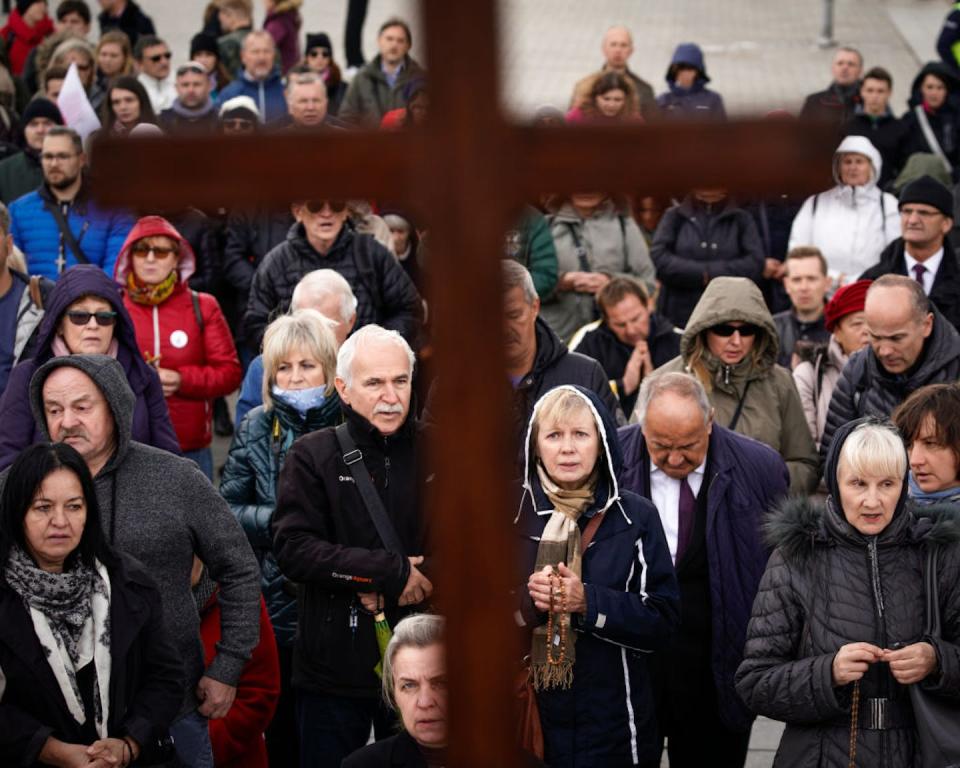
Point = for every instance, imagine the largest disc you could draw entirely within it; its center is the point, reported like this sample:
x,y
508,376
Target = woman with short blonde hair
x,y
307,330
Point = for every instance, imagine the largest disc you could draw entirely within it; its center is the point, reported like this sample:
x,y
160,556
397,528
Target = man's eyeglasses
x,y
57,157
142,250
317,206
156,59
726,330
82,317
319,52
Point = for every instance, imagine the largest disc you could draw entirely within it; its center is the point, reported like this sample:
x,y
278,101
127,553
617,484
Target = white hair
x,y
317,285
874,448
369,334
515,275
682,384
421,630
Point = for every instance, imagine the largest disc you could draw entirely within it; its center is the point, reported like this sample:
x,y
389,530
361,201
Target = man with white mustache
x,y
349,560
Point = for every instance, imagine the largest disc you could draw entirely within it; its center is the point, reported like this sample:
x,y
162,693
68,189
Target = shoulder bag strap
x,y
732,426
590,530
196,309
930,137
932,597
581,251
64,228
353,458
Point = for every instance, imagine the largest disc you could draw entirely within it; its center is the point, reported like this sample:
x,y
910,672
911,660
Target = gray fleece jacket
x,y
161,509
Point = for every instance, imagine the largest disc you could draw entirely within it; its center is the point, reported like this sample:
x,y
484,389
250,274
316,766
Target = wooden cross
x,y
467,172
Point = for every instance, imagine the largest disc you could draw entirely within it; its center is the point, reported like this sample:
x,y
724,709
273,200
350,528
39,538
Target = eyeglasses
x,y
57,157
82,317
160,57
142,250
317,206
239,124
725,329
319,52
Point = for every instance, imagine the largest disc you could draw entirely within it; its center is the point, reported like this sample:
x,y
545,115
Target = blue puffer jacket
x,y
266,94
633,606
99,233
249,485
747,480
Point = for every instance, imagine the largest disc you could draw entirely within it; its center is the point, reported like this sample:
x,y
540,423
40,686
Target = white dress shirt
x,y
665,494
932,265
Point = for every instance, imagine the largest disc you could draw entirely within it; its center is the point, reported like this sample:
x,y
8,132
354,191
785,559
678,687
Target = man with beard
x,y
58,225
193,111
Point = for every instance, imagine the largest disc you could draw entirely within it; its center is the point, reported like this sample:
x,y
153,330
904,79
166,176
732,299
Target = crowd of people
x,y
736,426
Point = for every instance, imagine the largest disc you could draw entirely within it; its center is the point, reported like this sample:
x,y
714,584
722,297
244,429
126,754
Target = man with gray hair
x,y
695,471
324,290
911,345
348,528
307,104
537,361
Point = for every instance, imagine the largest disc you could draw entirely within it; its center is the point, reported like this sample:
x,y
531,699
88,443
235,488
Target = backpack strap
x,y
195,299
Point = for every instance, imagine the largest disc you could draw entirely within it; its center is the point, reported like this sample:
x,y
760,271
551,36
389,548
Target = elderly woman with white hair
x,y
299,360
838,646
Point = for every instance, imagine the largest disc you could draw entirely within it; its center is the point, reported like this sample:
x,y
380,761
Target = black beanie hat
x,y
319,40
205,43
929,191
41,107
24,5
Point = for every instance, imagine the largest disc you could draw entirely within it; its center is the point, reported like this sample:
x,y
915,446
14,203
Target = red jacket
x,y
238,738
21,39
205,359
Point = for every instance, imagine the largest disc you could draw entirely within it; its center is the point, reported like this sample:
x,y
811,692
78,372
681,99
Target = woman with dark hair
x,y
89,673
929,423
613,99
931,124
85,314
126,106
318,57
837,637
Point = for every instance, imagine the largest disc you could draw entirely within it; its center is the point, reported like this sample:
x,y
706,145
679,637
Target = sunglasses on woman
x,y
159,251
319,52
82,317
725,329
316,206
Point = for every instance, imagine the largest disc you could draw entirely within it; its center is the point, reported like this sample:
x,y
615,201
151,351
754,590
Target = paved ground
x,y
761,56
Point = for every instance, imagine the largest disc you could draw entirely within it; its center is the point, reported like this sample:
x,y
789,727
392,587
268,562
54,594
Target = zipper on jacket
x,y
386,471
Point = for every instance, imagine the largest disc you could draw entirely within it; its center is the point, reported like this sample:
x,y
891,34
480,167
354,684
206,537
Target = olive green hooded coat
x,y
772,412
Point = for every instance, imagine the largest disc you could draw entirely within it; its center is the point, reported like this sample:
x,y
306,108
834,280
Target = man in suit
x,y
712,488
925,251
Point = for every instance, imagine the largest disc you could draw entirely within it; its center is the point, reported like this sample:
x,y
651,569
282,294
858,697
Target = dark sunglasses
x,y
160,251
725,329
319,52
316,206
82,317
160,56
239,124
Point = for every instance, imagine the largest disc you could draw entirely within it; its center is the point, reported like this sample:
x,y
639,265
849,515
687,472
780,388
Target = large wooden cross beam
x,y
467,170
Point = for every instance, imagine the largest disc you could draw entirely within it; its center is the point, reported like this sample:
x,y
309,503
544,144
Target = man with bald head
x,y
617,47
694,470
911,345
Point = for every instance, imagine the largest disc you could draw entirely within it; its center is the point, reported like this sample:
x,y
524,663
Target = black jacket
x,y
945,293
944,122
400,751
694,243
554,365
133,22
385,295
836,104
603,346
325,540
886,133
146,677
866,389
791,330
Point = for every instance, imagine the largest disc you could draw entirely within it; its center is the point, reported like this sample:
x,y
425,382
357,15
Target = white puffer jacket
x,y
850,225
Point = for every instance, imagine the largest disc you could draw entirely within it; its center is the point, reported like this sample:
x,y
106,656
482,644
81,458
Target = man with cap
x,y
816,378
239,115
22,173
26,28
925,250
193,111
319,57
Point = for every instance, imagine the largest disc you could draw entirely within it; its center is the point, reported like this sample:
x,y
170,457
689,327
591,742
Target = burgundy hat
x,y
847,300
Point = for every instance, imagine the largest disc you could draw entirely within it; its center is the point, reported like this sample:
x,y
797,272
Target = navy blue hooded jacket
x,y
633,607
151,420
747,479
698,100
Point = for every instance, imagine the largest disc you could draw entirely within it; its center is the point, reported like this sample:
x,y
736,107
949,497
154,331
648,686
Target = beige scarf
x,y
559,543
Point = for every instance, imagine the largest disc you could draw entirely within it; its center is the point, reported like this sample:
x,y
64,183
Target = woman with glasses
x,y
319,59
730,344
181,333
125,106
85,315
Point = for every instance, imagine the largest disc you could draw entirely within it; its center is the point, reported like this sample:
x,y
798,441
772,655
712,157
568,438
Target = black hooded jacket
x,y
945,122
828,585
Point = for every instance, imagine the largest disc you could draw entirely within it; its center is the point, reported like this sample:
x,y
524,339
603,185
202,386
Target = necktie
x,y
688,510
919,271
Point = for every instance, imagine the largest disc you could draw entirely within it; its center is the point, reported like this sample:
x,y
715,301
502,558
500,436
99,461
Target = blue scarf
x,y
924,498
301,400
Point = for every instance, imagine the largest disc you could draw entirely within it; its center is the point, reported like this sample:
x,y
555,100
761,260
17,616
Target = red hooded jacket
x,y
237,739
205,358
21,39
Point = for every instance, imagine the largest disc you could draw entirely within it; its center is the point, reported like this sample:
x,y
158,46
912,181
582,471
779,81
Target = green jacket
x,y
18,175
772,412
531,244
370,96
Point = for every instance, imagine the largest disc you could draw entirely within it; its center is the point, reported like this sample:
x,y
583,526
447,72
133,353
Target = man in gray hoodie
x,y
159,508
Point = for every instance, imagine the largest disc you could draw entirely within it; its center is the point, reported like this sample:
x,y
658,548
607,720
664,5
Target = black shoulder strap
x,y
64,228
732,426
353,458
196,308
932,598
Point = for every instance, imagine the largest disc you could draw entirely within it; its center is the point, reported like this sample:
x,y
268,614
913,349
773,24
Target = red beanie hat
x,y
847,300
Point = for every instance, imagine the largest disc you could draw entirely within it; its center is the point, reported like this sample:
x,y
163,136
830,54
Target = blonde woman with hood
x,y
853,221
731,346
